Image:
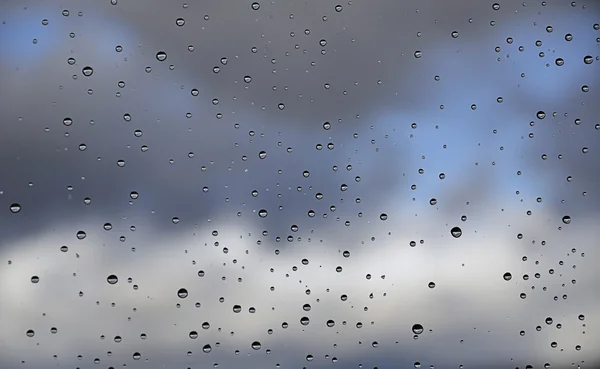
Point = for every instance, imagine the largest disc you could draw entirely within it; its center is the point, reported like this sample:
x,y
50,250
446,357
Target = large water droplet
x,y
193,335
15,208
182,293
263,213
207,348
161,56
566,219
507,276
87,71
237,308
456,232
256,345
112,279
304,320
30,333
255,6
417,329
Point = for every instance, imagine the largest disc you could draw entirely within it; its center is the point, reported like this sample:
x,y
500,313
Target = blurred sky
x,y
392,122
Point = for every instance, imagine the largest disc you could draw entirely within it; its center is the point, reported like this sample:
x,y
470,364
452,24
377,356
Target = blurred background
x,y
299,184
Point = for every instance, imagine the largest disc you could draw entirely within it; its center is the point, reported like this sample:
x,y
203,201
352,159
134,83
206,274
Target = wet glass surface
x,y
290,184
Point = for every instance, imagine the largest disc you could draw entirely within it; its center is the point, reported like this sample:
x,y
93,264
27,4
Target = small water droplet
x,y
30,333
35,279
15,208
454,34
566,219
180,22
262,154
418,54
193,335
255,6
496,6
206,348
588,59
304,320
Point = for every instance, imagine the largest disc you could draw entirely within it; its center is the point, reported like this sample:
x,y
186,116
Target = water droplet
x,y
35,279
454,34
161,56
67,121
338,8
206,348
53,330
431,285
507,276
566,219
247,79
417,329
255,6
541,115
87,71
304,320
237,308
137,356
262,154
30,333
323,42
281,106
81,235
548,320
64,248
588,59
383,216
496,6
262,213
180,22
193,335
112,279
256,345
418,54
15,208
456,232
560,62
568,37
182,293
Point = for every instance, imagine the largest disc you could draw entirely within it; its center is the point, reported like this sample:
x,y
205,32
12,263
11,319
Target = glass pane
x,y
299,184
